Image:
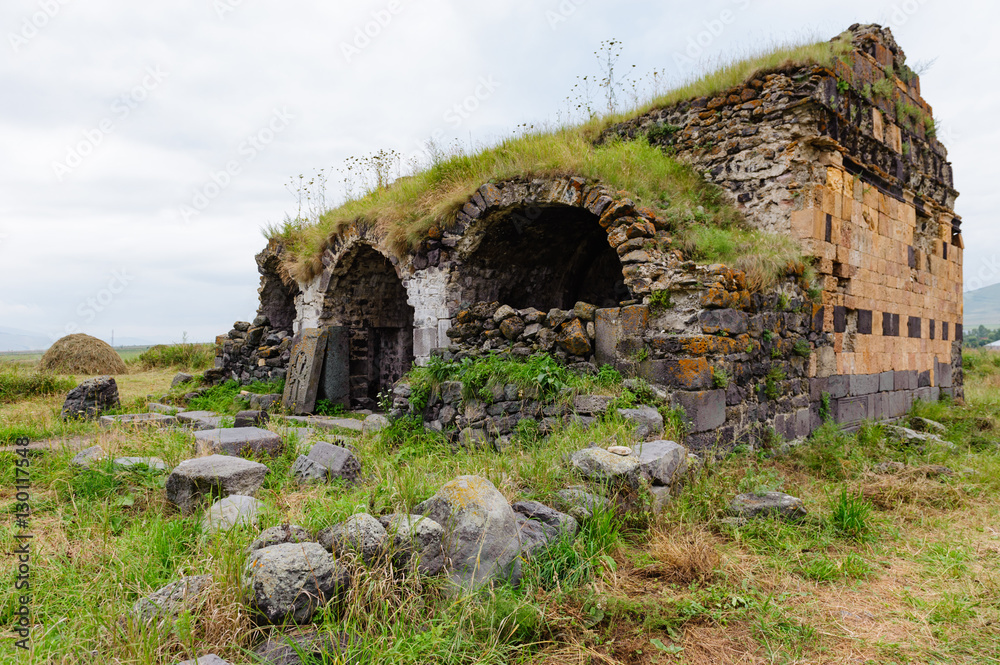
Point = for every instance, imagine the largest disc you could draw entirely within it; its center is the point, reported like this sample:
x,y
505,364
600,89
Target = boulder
x,y
316,648
87,456
200,420
359,533
292,580
214,475
480,531
238,442
648,421
138,420
580,503
601,465
573,339
503,313
374,423
341,463
928,425
210,659
91,398
180,378
585,311
771,503
153,463
593,405
512,328
540,525
307,471
165,409
168,602
283,533
251,418
915,438
230,512
663,462
416,541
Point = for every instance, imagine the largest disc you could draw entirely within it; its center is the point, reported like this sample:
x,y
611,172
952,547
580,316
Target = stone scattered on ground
x,y
285,649
165,409
324,422
416,540
168,602
283,533
886,468
291,581
374,423
230,512
751,505
360,533
251,418
648,421
539,525
210,659
662,495
180,378
662,462
927,470
264,402
927,425
603,466
139,420
246,441
327,462
150,462
91,398
215,475
915,438
481,535
200,420
580,503
88,456
624,451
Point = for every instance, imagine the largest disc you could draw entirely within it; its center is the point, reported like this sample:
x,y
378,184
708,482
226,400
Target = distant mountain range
x,y
982,307
13,339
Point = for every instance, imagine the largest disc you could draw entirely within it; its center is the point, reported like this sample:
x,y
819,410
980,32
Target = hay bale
x,y
82,354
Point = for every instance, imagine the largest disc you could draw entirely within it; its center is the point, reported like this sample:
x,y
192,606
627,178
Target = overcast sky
x,y
145,144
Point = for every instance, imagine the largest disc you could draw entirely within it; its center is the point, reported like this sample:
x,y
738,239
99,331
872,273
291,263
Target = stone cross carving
x,y
304,371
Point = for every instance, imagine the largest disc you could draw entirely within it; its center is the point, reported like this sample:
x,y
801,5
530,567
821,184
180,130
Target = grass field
x,y
899,567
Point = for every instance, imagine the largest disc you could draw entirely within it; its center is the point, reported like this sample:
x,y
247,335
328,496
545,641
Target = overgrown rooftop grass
x,y
407,208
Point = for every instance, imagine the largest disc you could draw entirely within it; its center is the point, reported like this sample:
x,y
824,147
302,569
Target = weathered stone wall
x,y
253,352
843,158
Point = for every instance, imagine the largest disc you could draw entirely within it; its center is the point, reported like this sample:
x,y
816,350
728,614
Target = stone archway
x,y
546,257
366,300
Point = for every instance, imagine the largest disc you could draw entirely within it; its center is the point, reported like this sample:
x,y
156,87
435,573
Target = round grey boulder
x,y
359,533
169,601
771,503
276,535
231,512
480,531
415,541
291,581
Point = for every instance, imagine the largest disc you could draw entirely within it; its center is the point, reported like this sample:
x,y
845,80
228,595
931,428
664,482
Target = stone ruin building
x,y
843,158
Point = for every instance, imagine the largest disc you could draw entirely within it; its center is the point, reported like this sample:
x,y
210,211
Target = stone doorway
x,y
367,301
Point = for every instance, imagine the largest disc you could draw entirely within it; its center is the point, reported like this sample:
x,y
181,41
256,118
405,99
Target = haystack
x,y
82,354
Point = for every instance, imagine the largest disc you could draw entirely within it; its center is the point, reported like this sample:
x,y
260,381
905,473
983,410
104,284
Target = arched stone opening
x,y
367,301
277,297
544,257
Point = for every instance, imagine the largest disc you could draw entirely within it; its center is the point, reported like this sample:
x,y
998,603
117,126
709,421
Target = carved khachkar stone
x,y
304,371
